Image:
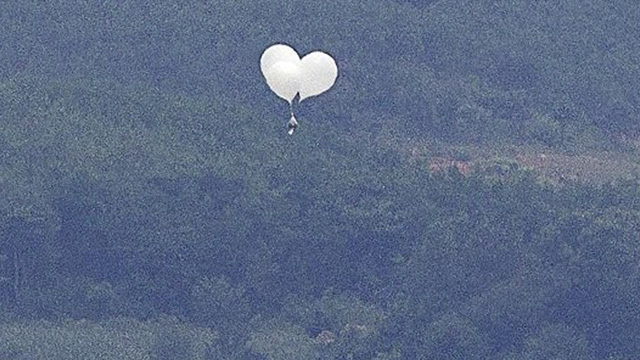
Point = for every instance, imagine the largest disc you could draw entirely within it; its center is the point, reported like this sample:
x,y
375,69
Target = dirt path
x,y
593,166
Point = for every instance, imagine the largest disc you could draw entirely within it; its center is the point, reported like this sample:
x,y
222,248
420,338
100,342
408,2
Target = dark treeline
x,y
152,206
560,74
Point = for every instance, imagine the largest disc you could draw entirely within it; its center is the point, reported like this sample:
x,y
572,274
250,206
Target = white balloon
x,y
287,75
283,78
277,53
319,73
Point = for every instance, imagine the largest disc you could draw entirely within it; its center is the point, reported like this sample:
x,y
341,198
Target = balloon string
x,y
291,108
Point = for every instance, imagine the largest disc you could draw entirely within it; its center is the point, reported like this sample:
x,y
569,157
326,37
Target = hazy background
x,y
468,189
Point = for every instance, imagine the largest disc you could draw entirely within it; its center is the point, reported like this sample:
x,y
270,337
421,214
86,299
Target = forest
x,y
468,189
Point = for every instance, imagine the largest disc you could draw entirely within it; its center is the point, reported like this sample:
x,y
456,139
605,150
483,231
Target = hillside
x,y
467,190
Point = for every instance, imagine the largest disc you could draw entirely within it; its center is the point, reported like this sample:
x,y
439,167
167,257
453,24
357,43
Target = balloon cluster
x,y
289,76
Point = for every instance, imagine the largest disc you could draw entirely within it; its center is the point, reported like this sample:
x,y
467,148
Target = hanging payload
x,y
292,125
289,76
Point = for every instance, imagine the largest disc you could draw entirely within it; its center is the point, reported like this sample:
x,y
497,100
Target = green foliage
x,y
555,342
355,325
454,338
216,300
458,70
61,298
118,338
545,130
222,239
281,341
174,340
144,171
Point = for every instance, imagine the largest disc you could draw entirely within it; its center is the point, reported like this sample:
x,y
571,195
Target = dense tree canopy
x,y
152,206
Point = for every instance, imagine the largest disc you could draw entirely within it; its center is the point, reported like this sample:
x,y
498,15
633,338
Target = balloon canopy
x,y
287,75
319,73
284,79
